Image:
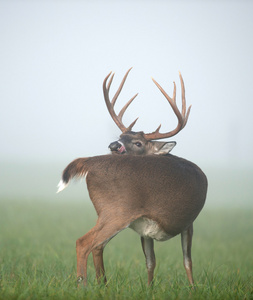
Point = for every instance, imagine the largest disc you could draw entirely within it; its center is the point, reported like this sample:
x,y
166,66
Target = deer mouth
x,y
122,149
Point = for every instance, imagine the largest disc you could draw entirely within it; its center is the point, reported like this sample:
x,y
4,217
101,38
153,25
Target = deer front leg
x,y
186,240
99,263
148,249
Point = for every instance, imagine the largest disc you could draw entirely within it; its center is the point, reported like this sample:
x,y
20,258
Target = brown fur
x,y
142,187
123,188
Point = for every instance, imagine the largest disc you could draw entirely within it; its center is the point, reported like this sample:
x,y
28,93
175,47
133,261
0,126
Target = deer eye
x,y
138,144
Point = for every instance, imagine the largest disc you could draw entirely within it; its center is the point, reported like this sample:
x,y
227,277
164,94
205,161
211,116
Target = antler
x,y
182,118
110,104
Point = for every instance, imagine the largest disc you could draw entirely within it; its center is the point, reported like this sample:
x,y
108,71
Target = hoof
x,y
79,279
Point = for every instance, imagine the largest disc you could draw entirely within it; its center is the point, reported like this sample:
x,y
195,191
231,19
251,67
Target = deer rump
x,y
160,196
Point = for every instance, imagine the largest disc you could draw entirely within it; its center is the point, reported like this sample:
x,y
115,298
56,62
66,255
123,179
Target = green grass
x,y
38,260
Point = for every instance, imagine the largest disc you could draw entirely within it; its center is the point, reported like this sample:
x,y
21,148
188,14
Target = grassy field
x,y
38,260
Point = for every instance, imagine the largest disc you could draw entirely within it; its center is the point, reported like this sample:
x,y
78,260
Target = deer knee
x,y
78,243
80,247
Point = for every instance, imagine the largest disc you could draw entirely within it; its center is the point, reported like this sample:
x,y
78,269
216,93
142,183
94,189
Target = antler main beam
x,y
110,104
181,116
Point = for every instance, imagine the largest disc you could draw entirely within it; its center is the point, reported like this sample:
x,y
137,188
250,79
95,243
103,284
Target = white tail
x,y
61,186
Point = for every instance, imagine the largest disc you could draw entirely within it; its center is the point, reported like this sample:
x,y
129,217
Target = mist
x,y
56,54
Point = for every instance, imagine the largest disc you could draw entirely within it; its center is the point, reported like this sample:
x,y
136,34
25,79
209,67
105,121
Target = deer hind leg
x,y
94,240
186,240
97,254
148,249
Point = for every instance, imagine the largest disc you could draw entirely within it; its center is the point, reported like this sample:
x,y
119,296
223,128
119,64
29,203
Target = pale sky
x,y
54,56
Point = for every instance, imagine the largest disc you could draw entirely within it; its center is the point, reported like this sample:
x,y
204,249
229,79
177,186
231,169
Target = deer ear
x,y
163,148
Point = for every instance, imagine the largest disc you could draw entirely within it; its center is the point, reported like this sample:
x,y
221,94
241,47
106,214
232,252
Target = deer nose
x,y
114,146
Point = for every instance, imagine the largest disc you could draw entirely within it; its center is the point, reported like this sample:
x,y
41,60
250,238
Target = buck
x,y
141,187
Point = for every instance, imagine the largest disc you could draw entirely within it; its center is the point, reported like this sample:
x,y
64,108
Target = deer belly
x,y
148,228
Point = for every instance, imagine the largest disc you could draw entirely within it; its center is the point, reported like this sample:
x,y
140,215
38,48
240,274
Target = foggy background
x,y
54,56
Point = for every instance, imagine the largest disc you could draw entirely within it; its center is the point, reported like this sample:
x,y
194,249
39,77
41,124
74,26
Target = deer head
x,y
140,143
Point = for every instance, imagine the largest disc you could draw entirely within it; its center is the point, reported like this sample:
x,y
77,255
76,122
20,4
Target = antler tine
x,y
172,101
182,119
110,81
187,115
110,104
120,87
132,125
183,95
184,102
121,113
174,92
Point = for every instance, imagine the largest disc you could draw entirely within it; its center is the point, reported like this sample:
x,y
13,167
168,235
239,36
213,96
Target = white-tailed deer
x,y
156,194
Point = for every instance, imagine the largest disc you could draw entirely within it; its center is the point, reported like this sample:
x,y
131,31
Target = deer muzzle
x,y
117,147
